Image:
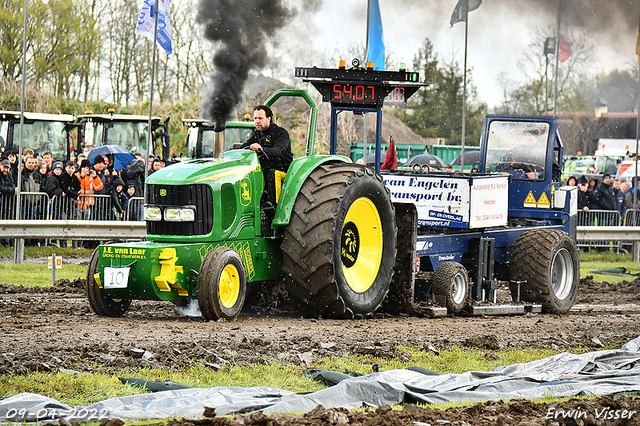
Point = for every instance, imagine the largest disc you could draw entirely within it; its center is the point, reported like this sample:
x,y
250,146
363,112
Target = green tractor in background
x,y
201,136
332,237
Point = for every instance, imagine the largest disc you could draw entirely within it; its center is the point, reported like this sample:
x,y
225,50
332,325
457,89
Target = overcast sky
x,y
499,33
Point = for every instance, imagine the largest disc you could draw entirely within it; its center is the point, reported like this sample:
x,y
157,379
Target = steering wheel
x,y
525,167
517,165
261,153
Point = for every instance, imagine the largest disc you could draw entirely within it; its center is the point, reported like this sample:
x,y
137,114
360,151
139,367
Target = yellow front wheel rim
x,y
361,245
229,286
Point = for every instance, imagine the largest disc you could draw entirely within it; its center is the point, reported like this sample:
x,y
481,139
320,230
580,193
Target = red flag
x,y
568,16
390,161
565,49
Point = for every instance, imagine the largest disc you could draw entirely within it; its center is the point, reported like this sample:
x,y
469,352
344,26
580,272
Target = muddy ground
x,y
54,329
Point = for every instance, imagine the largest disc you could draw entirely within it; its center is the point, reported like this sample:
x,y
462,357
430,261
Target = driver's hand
x,y
256,147
532,175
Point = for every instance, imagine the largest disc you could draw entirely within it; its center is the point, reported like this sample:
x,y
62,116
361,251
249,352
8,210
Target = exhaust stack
x,y
218,142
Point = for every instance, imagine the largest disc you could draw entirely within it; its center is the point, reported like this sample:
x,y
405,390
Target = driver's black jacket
x,y
533,159
276,144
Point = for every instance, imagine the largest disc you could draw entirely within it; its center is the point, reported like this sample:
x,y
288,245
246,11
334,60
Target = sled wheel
x,y
451,282
339,247
546,262
222,284
99,301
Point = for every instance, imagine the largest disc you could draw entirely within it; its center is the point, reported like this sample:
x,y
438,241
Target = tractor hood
x,y
206,169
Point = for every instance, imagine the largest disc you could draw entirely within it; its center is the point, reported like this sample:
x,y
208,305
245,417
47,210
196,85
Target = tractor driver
x,y
273,146
531,155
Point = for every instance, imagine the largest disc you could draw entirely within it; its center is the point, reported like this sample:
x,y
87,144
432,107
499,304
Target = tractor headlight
x,y
179,214
153,214
188,215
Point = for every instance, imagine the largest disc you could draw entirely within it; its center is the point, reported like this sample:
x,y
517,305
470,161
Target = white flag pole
x,y
18,249
555,89
366,55
634,182
149,128
464,85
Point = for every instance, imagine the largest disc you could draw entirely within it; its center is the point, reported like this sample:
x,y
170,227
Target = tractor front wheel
x,y
222,284
339,247
99,301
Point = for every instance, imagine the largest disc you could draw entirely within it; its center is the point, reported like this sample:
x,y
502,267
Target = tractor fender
x,y
298,172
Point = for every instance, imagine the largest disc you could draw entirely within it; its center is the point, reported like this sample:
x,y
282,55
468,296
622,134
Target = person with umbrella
x,y
121,157
100,166
134,173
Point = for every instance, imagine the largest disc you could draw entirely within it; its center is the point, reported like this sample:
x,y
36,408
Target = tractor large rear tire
x,y
339,247
546,263
100,303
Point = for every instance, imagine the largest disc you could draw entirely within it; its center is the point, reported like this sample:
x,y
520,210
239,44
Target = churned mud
x,y
54,329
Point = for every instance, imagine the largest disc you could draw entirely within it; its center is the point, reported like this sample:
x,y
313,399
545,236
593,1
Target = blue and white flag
x,y
375,51
147,21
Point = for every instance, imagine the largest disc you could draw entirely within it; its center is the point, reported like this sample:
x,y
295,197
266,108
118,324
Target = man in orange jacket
x,y
89,184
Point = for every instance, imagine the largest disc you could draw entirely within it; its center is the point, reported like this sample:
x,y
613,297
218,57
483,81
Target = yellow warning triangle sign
x,y
543,201
530,201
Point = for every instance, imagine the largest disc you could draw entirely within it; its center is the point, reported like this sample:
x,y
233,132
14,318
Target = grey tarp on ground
x,y
564,374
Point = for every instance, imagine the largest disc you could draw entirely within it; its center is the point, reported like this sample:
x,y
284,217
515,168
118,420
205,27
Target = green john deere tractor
x,y
332,237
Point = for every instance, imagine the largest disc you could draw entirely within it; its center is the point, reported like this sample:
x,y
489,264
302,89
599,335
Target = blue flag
x,y
147,21
375,50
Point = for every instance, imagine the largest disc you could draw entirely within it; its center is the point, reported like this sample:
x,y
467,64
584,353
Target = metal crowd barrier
x,y
61,208
38,206
33,206
628,218
134,209
600,218
103,209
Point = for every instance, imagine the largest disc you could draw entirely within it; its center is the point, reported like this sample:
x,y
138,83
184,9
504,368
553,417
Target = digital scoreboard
x,y
361,87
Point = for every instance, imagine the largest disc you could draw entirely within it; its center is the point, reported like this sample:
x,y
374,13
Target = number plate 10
x,y
116,277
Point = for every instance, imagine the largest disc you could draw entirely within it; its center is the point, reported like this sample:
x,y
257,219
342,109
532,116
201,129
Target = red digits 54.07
x,y
359,92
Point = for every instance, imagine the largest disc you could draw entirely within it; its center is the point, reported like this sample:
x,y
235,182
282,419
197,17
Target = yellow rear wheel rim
x,y
229,286
361,245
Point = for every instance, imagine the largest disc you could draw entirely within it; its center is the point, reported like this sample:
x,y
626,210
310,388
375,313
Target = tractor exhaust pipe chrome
x,y
218,141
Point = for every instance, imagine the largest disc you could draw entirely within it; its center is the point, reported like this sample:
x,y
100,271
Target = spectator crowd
x,y
608,195
72,187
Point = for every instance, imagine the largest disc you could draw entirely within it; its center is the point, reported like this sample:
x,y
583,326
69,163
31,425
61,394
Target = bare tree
x,y
119,23
526,95
90,48
11,39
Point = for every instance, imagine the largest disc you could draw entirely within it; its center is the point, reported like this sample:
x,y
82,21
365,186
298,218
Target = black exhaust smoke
x,y
241,29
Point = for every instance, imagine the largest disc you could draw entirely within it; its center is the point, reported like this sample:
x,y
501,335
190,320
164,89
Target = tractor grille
x,y
182,195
